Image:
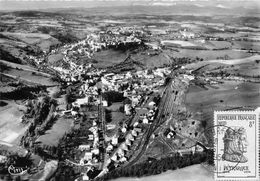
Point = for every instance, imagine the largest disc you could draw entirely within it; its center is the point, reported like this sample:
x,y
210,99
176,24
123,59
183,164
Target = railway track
x,y
164,105
101,117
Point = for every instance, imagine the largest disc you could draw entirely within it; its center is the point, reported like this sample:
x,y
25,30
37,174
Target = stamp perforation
x,y
231,118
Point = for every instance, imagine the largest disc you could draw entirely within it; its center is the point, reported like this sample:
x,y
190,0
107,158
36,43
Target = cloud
x,y
221,6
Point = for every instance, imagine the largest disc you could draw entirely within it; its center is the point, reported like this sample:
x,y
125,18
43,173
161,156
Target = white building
x,y
123,130
151,104
84,147
109,148
130,137
3,159
145,120
124,147
88,156
105,103
81,101
114,141
120,152
85,177
114,158
134,133
128,142
123,159
127,109
95,151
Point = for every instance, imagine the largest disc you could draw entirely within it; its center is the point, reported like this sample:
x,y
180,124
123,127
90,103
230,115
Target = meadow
x,y
52,136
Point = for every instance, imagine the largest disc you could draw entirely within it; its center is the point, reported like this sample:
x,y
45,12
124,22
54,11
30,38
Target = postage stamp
x,y
236,145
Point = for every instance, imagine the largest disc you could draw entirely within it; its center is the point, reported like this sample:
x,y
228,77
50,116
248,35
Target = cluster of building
x,y
141,80
91,152
185,33
120,154
126,30
71,71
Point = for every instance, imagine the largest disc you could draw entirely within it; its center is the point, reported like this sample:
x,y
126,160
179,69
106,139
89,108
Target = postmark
x,y
211,158
236,146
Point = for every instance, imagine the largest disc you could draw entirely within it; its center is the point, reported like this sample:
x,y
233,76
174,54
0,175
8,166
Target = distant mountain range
x,y
141,7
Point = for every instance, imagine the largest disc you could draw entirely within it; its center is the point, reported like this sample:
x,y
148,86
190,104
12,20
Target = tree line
x,y
154,166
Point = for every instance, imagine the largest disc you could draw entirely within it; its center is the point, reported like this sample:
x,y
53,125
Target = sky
x,y
10,5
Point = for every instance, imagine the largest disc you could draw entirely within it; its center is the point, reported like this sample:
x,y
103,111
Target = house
x,y
187,34
95,151
3,159
125,94
138,130
82,162
85,177
134,133
190,77
130,137
199,148
114,158
145,120
135,124
109,148
82,101
128,142
123,130
114,141
152,104
91,137
127,109
123,159
170,135
120,152
135,100
74,113
88,156
105,103
110,126
84,147
67,112
124,147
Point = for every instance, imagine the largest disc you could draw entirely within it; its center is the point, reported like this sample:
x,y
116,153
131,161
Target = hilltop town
x,y
101,97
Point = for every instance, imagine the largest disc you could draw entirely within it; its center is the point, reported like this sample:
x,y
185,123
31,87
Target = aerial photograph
x,y
122,90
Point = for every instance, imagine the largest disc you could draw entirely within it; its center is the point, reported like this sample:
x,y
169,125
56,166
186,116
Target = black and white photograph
x,y
129,90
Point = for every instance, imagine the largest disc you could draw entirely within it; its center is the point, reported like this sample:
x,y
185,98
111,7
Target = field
x,y
116,117
26,73
153,60
30,77
197,44
11,127
247,45
191,173
237,61
231,94
107,58
178,43
210,54
52,136
246,66
44,41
